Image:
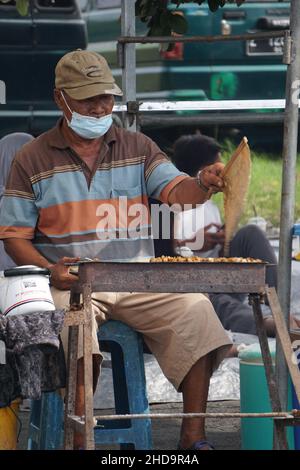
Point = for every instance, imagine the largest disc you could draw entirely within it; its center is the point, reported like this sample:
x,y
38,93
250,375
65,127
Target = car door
x,y
30,47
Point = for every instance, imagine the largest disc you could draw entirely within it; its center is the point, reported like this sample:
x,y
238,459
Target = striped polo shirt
x,y
53,199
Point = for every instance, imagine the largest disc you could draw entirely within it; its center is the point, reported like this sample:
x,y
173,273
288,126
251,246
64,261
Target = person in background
x,y
191,154
9,145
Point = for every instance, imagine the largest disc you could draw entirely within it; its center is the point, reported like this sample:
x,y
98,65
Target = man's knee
x,y
197,302
61,298
250,231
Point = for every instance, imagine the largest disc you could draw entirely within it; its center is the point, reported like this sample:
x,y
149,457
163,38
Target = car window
x,y
103,4
54,5
83,4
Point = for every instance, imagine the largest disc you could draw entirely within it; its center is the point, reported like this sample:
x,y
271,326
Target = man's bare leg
x,y
271,328
195,392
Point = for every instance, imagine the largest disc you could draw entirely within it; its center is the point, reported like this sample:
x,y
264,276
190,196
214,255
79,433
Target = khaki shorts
x,y
179,329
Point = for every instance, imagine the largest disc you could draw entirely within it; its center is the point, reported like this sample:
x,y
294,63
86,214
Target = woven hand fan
x,y
236,175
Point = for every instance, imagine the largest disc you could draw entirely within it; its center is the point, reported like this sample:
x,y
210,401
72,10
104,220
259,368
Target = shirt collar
x,y
57,140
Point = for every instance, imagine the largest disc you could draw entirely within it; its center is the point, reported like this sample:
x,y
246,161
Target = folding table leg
x,y
88,368
71,387
269,370
73,323
284,338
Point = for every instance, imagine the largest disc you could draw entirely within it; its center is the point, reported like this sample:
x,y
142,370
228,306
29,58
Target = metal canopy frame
x,y
291,57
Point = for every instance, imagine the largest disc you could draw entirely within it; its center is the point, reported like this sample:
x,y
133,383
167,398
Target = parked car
x,y
199,71
228,70
30,47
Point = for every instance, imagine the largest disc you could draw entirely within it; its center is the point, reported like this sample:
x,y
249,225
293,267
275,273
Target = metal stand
x,y
79,315
169,277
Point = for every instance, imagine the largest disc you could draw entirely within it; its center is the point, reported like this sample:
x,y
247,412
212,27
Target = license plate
x,y
270,46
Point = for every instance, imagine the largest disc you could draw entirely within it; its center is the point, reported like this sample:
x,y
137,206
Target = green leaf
x,y
157,30
154,30
145,8
165,19
159,25
178,24
137,7
22,7
162,21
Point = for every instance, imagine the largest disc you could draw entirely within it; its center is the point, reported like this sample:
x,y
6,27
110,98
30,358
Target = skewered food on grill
x,y
198,259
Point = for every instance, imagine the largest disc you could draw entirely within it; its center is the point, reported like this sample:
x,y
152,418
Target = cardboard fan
x,y
236,175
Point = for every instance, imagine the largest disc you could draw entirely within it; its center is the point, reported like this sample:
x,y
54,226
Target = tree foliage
x,y
160,20
163,22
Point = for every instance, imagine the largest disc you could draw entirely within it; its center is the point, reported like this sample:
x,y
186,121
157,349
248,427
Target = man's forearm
x,y
187,192
23,252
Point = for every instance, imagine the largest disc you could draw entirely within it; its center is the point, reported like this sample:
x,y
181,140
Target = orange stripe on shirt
x,y
26,233
164,195
84,216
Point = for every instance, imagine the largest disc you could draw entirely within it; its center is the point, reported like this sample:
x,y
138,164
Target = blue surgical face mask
x,y
88,127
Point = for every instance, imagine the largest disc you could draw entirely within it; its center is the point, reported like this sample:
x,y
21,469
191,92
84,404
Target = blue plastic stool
x,y
126,347
46,423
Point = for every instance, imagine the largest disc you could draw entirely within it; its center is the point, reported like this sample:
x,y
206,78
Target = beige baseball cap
x,y
83,74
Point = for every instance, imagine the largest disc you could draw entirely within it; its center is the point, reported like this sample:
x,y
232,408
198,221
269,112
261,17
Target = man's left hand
x,y
211,177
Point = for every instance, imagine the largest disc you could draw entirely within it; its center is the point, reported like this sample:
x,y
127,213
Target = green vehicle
x,y
231,70
30,47
201,71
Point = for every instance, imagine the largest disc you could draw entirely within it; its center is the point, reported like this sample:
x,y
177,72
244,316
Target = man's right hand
x,y
211,177
23,252
60,275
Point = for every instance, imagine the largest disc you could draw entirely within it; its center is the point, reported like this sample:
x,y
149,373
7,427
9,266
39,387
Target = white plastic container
x,y
25,289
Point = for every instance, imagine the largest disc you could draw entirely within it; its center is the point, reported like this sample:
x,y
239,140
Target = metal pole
x,y
288,185
203,105
129,60
157,122
189,39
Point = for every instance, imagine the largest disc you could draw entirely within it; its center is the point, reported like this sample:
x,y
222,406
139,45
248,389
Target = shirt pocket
x,y
132,210
134,192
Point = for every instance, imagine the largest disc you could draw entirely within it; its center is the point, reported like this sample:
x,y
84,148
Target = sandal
x,y
198,445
